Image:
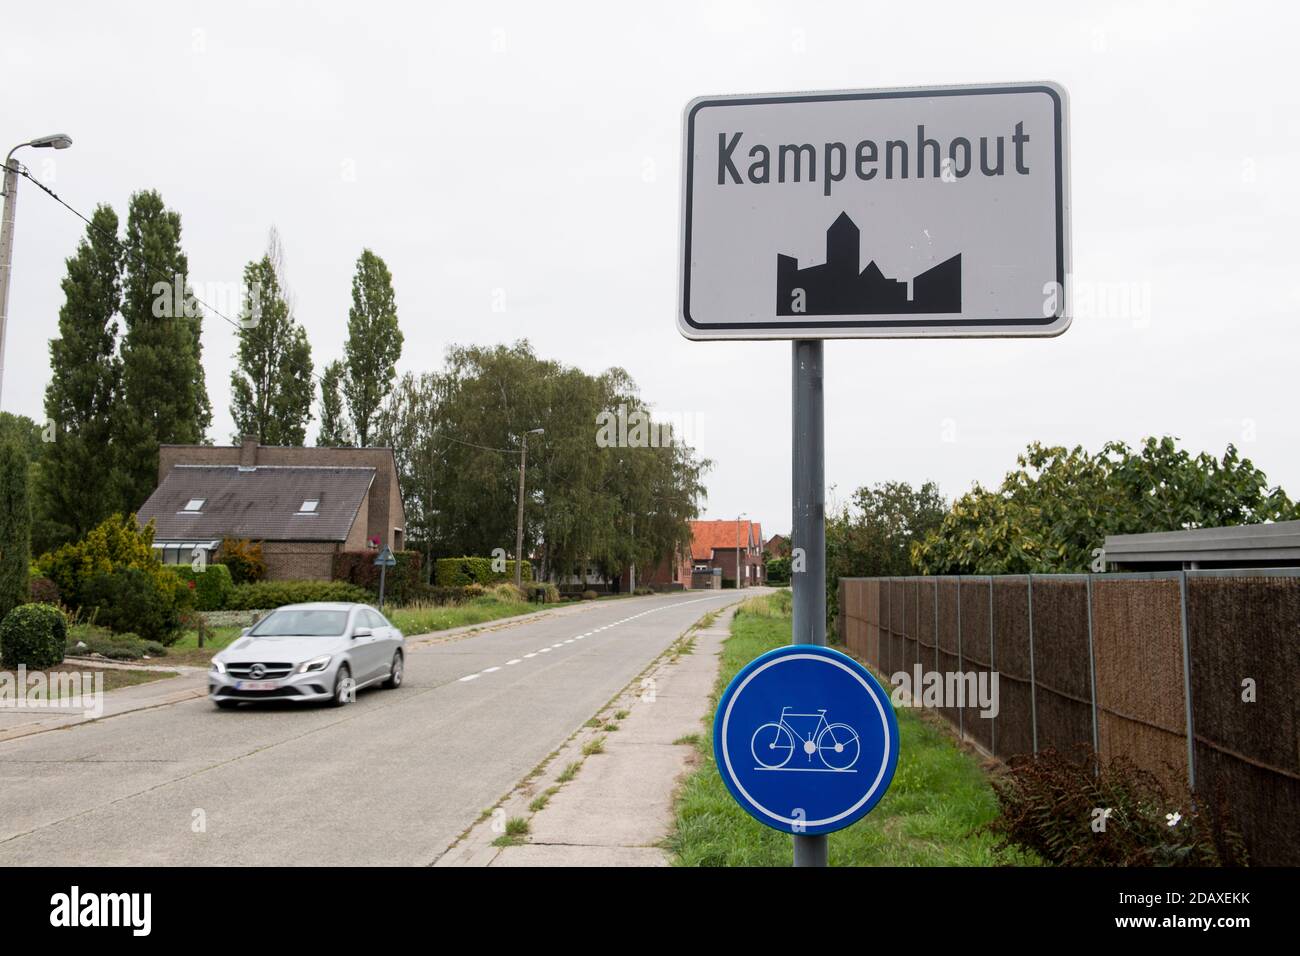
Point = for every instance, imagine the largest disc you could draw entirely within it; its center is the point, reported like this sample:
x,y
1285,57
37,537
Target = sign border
x,y
1033,327
884,706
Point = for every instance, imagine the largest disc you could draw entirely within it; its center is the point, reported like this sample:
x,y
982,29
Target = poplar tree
x,y
76,475
271,389
374,344
334,429
164,394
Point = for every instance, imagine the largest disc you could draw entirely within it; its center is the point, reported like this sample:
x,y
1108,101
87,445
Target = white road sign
x,y
876,213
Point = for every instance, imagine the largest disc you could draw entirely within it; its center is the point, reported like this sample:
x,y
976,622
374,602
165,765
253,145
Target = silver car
x,y
309,652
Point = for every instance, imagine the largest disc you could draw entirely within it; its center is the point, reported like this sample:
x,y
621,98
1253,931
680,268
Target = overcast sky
x,y
527,156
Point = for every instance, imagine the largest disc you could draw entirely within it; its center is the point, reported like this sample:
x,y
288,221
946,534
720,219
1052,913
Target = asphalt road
x,y
393,778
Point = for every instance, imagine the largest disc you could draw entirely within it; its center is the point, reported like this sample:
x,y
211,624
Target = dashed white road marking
x,y
579,637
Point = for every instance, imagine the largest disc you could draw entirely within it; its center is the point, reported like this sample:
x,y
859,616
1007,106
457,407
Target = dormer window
x,y
194,506
309,506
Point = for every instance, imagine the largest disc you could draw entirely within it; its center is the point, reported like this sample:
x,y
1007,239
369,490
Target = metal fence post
x,y
993,723
961,711
1033,684
1092,682
1187,682
936,625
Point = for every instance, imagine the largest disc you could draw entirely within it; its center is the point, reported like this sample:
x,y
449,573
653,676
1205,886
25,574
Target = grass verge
x,y
934,814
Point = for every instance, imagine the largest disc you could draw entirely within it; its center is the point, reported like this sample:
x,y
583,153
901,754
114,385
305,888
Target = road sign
x,y
385,558
805,739
941,211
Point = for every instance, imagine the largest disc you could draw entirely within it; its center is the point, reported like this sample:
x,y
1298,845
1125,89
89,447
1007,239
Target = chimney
x,y
248,452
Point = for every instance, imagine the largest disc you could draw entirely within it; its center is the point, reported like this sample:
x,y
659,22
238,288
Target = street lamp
x,y
743,514
10,192
519,523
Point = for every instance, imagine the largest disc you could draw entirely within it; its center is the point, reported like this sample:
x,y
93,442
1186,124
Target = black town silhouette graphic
x,y
837,287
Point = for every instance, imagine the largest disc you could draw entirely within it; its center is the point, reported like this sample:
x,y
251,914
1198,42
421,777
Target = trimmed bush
x,y
643,591
42,591
129,600
244,560
34,635
589,595
458,572
265,595
401,583
211,586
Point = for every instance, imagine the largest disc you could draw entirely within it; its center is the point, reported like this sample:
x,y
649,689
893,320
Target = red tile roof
x,y
709,535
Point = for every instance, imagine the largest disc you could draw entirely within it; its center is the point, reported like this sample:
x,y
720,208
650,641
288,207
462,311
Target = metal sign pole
x,y
808,488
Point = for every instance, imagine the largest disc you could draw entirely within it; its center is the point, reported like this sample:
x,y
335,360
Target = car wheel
x,y
395,672
227,704
342,691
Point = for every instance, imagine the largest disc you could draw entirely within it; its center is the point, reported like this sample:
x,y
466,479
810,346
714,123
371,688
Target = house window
x,y
309,506
194,505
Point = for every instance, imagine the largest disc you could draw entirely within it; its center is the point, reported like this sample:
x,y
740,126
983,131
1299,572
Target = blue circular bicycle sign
x,y
805,739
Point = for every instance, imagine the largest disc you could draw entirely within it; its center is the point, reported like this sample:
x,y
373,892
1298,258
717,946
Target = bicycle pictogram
x,y
836,745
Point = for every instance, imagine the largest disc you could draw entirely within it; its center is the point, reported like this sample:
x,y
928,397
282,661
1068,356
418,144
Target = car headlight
x,y
315,664
217,666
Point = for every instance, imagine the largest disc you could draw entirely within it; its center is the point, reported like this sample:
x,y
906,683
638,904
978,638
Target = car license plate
x,y
257,685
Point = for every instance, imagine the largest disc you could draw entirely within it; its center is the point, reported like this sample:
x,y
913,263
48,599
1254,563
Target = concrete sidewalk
x,y
605,797
124,700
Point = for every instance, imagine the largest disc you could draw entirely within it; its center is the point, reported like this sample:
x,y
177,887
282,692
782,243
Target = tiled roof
x,y
261,504
708,535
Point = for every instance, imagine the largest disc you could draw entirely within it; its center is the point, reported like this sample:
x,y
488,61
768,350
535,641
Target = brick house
x,y
714,546
303,504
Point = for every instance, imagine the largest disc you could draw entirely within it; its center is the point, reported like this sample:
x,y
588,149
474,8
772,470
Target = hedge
x,y
401,582
211,586
458,572
264,595
130,600
34,635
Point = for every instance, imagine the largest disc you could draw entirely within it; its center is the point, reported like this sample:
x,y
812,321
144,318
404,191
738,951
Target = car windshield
x,y
302,623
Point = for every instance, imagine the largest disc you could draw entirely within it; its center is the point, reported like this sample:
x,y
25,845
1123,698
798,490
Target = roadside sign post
x,y
808,493
384,561
956,199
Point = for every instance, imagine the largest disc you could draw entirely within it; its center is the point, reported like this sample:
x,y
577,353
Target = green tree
x,y
164,395
1055,510
15,527
272,388
374,344
334,430
873,534
75,488
408,423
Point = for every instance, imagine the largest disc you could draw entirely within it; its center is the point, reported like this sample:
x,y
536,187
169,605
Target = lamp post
x,y
743,514
519,522
53,141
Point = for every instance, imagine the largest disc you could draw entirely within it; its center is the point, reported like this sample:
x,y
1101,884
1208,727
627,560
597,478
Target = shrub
x,y
505,591
265,595
1049,801
543,591
643,590
589,595
116,543
34,635
458,572
401,581
211,586
433,594
778,570
129,600
244,560
43,591
474,590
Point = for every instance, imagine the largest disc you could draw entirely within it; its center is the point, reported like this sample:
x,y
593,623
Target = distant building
x,y
1275,545
303,505
778,546
712,558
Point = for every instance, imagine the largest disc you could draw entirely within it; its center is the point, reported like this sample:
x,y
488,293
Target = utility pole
x,y
519,521
54,141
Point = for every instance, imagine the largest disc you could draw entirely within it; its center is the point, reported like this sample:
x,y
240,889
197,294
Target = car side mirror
x,y
245,632
361,632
